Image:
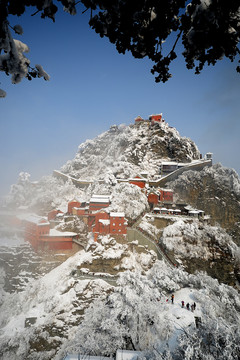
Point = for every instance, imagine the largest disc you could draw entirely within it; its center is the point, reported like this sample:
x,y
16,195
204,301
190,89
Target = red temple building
x,y
53,214
156,118
153,198
138,181
113,223
37,231
118,223
138,119
98,202
166,195
72,204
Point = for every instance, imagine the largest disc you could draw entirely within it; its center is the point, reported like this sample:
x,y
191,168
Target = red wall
x,y
56,245
153,198
156,117
166,195
72,204
97,206
52,214
117,225
80,211
98,227
140,183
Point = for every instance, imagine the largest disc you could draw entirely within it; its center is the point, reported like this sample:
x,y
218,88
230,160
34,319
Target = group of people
x,y
192,307
188,306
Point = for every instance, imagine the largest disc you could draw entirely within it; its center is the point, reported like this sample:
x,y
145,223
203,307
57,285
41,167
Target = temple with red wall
x,y
156,118
153,198
113,224
98,202
166,195
53,213
37,231
72,204
138,181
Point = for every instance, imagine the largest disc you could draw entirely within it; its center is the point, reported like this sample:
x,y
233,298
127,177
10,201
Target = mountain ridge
x,y
75,308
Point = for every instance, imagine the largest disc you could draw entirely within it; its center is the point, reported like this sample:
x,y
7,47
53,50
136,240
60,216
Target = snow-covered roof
x,y
117,214
54,232
100,200
164,209
177,210
101,196
104,221
188,207
156,208
33,218
127,354
60,215
138,117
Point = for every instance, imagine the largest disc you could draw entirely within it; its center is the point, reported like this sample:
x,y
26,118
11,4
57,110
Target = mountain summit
x,y
126,151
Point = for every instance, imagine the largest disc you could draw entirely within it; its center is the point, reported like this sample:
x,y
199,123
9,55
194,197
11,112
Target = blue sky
x,y
92,87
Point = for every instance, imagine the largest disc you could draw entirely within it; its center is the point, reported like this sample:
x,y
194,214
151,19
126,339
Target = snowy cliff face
x,y
135,313
216,190
58,300
125,151
200,247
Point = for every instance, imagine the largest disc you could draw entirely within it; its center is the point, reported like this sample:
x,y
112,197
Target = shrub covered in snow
x,y
129,199
194,239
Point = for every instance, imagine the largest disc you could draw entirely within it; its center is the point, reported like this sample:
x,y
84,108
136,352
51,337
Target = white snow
x,y
127,354
54,232
117,214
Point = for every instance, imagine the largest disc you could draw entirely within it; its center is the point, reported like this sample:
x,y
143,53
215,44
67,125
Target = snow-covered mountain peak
x,y
126,151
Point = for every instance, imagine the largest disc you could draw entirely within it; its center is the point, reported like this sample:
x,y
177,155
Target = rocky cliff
x,y
216,190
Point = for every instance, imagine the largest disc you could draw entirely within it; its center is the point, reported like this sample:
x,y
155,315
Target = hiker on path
x,y
187,306
182,304
172,298
194,306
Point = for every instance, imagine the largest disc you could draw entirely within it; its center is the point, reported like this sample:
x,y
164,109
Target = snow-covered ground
x,y
57,302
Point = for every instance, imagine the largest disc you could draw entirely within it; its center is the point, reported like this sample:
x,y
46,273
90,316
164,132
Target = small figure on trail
x,y
194,306
172,298
187,306
182,304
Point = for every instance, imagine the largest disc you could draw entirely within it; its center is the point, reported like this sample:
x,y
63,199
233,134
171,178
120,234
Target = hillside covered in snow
x,y
70,314
115,293
216,190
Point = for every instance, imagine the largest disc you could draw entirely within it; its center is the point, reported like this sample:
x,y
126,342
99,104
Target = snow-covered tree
x,y
127,318
209,30
212,340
